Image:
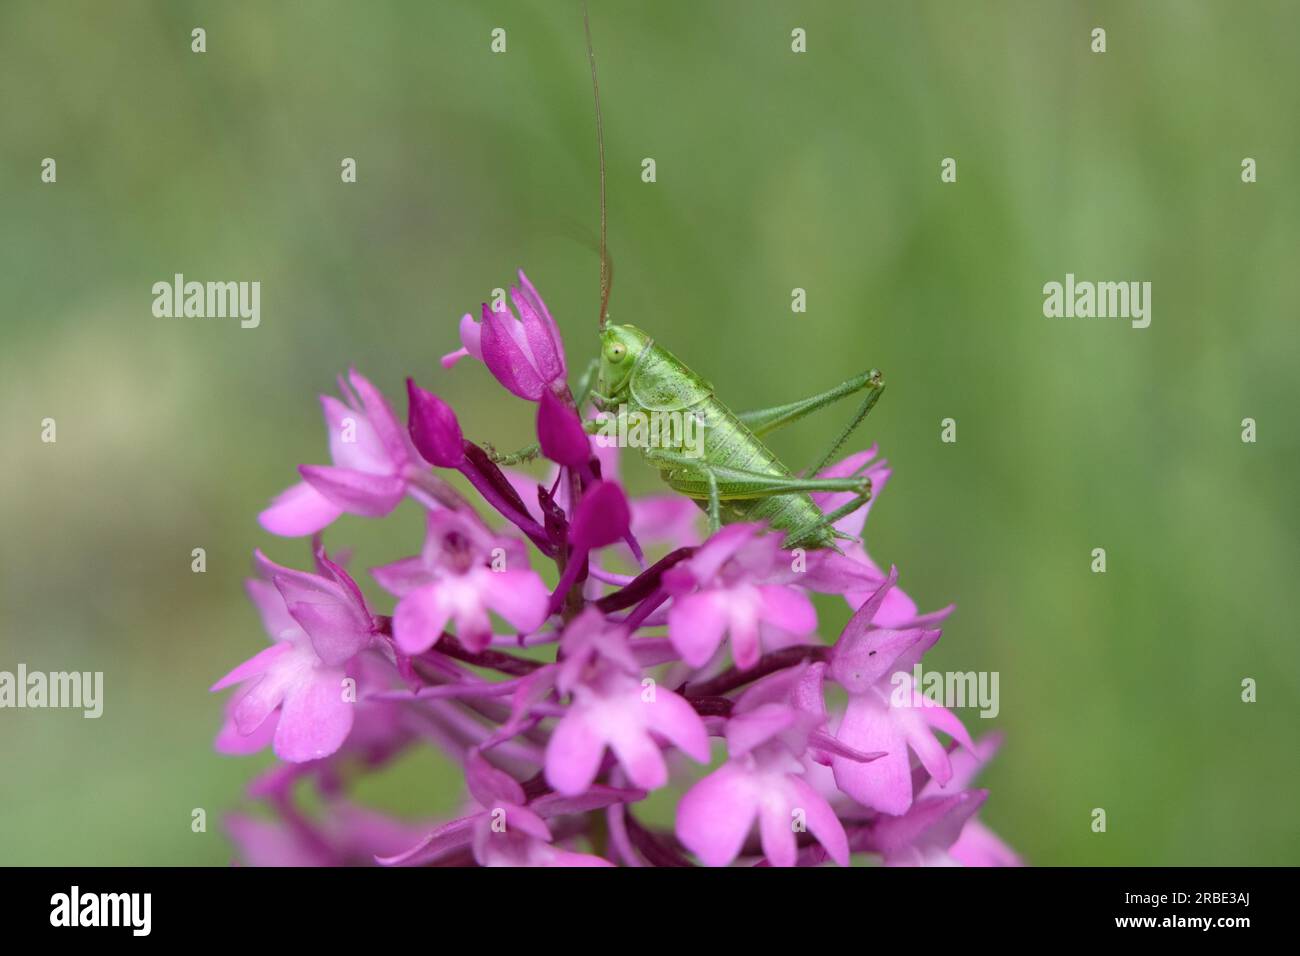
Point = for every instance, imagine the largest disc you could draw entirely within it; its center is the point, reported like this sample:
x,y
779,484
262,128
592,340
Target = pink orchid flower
x,y
611,707
319,623
725,589
374,464
462,573
977,845
761,782
885,712
927,833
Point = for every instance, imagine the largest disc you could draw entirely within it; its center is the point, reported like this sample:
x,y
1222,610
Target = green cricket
x,y
737,477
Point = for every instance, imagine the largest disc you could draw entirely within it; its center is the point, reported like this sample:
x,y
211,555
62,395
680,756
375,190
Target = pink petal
x,y
471,336
381,418
677,720
354,443
230,741
776,833
543,334
337,631
573,754
256,665
419,619
509,363
966,764
658,519
932,754
696,623
451,358
788,609
265,694
356,492
297,511
928,829
980,846
639,754
743,626
822,821
831,573
269,602
715,815
862,659
473,628
897,610
748,730
715,552
884,784
941,718
518,596
295,585
403,576
315,719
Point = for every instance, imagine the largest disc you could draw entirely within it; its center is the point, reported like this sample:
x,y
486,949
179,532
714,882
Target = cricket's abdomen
x,y
727,441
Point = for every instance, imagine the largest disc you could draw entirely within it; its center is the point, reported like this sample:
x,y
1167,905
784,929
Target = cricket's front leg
x,y
587,384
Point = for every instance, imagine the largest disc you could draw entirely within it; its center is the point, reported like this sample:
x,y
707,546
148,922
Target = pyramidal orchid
x,y
574,649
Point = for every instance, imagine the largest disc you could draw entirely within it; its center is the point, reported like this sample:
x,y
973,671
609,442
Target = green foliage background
x,y
775,170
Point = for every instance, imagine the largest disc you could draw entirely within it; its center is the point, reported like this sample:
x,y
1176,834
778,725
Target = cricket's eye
x,y
615,352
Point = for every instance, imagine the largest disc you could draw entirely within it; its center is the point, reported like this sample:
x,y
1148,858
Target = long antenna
x,y
606,272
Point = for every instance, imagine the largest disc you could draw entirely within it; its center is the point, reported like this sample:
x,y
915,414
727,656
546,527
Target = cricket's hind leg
x,y
763,420
812,532
703,480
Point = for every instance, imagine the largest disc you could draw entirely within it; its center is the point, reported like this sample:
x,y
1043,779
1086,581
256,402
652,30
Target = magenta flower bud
x,y
525,354
560,433
434,428
602,517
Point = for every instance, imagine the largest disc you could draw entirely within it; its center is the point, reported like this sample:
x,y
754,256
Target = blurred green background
x,y
775,171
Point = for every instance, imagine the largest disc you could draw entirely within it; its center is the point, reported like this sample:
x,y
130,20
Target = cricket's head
x,y
620,347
